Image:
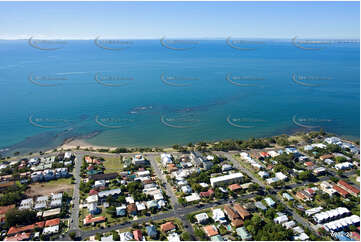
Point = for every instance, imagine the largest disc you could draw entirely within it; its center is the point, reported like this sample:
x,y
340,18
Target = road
x,y
170,192
160,175
74,222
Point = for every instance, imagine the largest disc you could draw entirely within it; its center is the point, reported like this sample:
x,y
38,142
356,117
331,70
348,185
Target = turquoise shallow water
x,y
149,95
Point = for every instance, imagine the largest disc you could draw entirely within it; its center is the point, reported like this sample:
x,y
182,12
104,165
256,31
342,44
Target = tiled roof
x,y
4,209
237,222
211,230
241,211
137,235
89,219
167,226
16,230
348,186
52,222
234,187
340,190
230,212
18,237
208,193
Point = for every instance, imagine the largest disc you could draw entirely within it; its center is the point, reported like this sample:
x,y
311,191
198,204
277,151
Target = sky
x,y
138,20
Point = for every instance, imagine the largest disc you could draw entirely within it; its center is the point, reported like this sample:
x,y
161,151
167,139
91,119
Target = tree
x,y
20,217
98,236
116,236
200,234
72,235
186,236
305,175
111,211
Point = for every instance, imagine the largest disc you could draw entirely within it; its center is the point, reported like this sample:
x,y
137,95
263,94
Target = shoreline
x,y
81,142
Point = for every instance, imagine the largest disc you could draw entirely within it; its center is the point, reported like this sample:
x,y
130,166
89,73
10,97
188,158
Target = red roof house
x,y
351,189
138,235
90,220
234,187
52,222
18,237
208,193
340,190
168,226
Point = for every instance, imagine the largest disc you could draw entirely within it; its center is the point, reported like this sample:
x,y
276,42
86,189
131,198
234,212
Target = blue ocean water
x,y
149,95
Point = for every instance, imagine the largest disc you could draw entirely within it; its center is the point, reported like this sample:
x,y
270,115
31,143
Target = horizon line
x,y
185,38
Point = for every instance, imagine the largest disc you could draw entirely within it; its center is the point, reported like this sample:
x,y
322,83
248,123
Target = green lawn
x,y
61,181
113,164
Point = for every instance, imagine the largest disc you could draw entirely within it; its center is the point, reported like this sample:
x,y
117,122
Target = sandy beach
x,y
73,144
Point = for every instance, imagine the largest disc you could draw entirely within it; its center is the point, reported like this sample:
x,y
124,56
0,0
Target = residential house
x,y
341,224
121,211
226,167
324,157
309,164
208,193
241,211
327,188
343,166
167,227
234,187
137,234
26,204
173,237
263,174
269,201
152,231
280,219
289,224
230,212
243,233
350,189
166,159
287,196
303,196
313,211
139,160
186,189
107,176
260,205
210,230
193,197
227,179
319,171
340,190
132,209
281,176
330,215
218,216
201,218
18,237
272,180
89,219
126,236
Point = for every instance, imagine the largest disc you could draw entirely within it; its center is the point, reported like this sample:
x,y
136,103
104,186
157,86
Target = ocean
x,y
159,93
